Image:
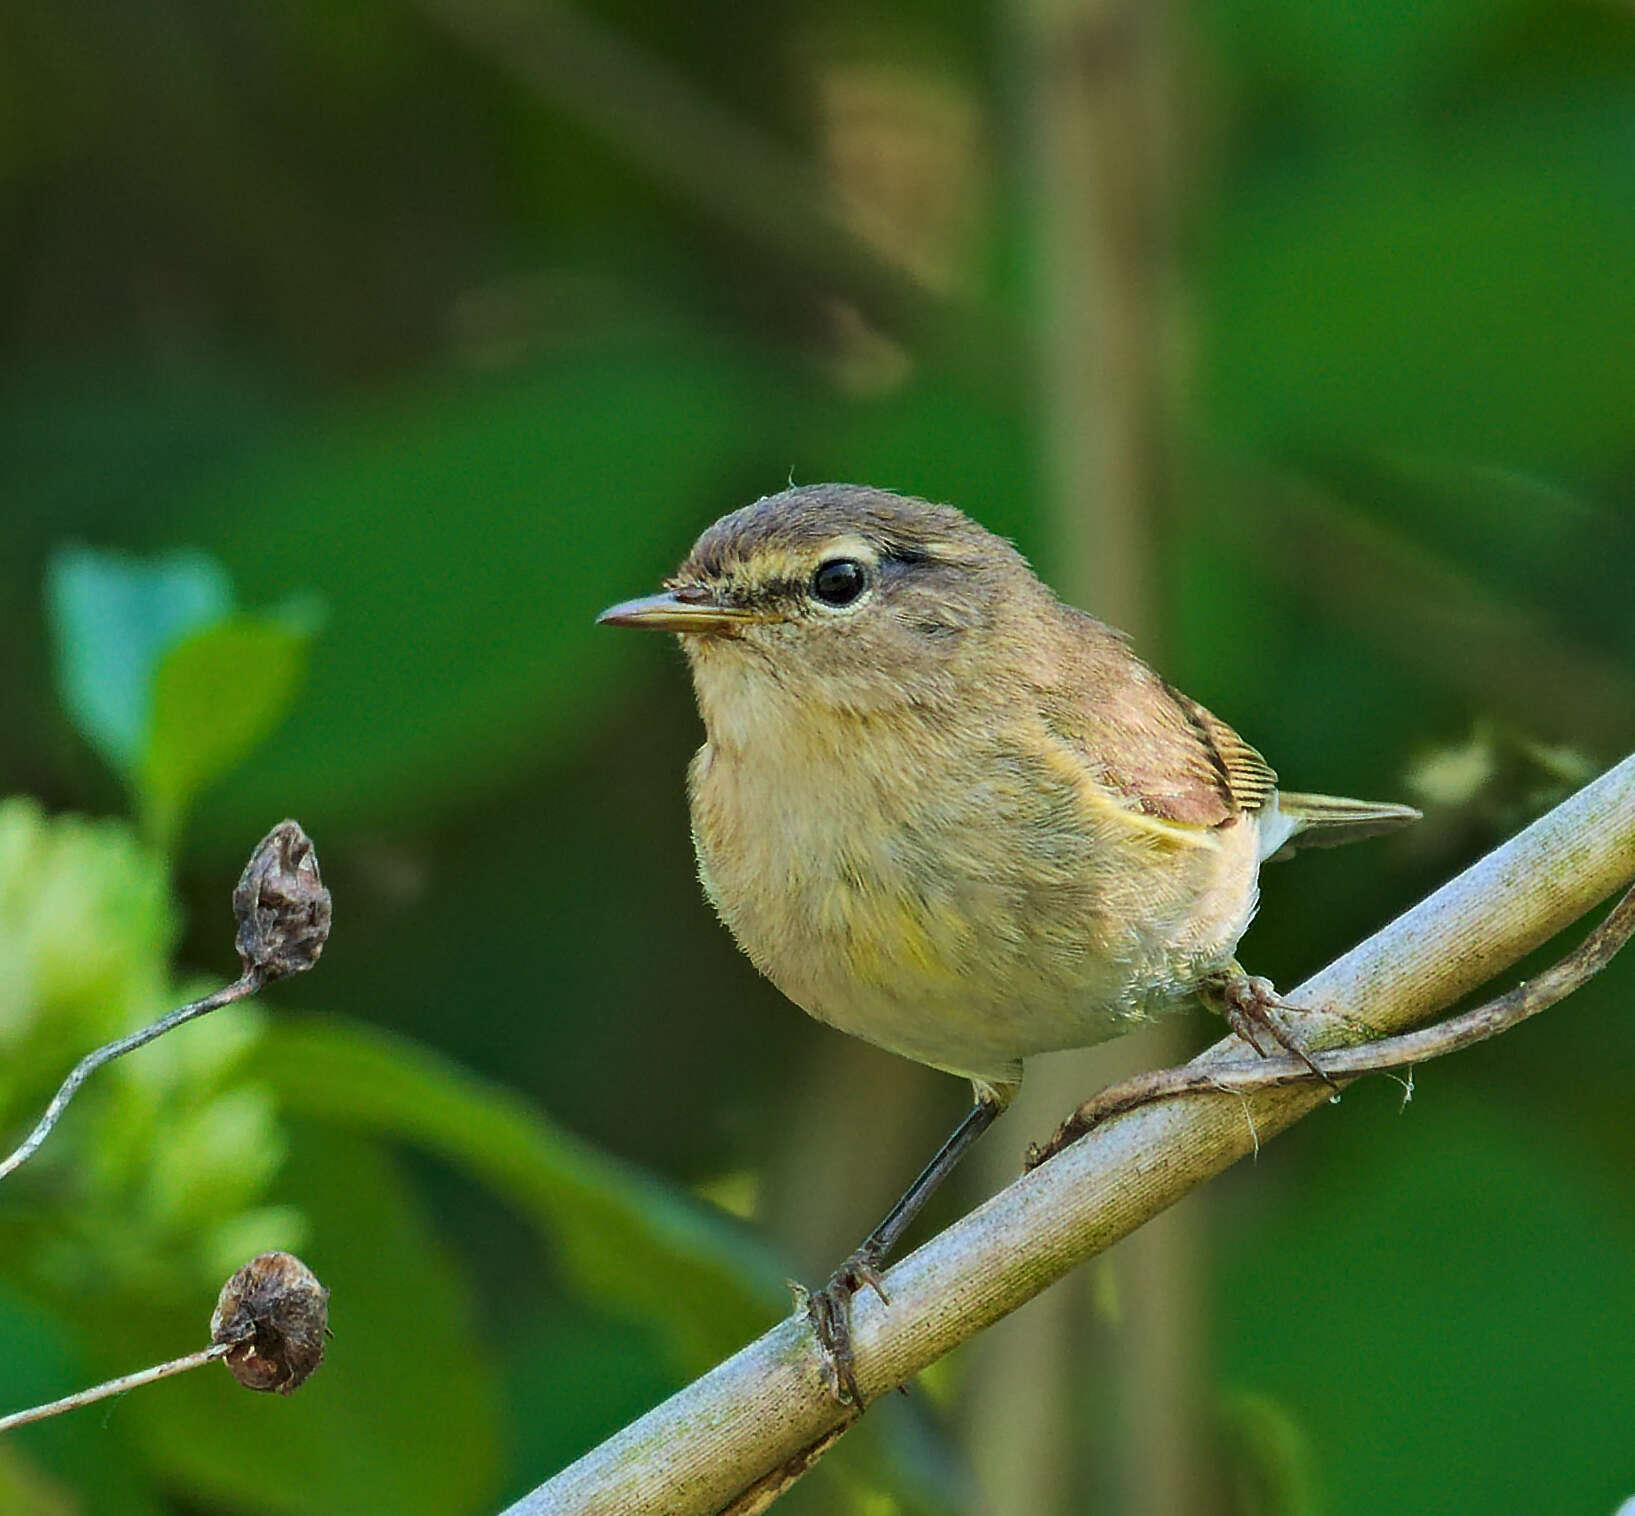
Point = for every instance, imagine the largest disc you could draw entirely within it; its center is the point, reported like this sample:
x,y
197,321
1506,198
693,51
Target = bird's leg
x,y
1247,1001
829,1309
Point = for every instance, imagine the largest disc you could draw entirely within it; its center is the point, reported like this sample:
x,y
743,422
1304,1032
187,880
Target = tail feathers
x,y
1299,821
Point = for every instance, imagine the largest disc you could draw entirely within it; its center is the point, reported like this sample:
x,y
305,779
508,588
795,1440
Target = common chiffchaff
x,y
947,813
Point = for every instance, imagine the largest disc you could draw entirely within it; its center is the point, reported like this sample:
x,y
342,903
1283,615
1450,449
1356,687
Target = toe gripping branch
x,y
1247,1002
829,1310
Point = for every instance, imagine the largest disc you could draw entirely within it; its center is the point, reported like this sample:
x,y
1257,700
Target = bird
x,y
946,812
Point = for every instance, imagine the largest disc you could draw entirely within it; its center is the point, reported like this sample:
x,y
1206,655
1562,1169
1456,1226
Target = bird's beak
x,y
680,610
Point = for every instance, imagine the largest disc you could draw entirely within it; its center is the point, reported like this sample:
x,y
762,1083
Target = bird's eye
x,y
839,581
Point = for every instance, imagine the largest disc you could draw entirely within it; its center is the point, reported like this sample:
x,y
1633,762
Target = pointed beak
x,y
682,610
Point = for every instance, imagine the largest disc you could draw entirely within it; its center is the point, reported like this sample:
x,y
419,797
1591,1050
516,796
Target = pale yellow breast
x,y
960,899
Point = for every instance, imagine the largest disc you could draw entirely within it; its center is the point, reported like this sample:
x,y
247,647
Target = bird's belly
x,y
970,946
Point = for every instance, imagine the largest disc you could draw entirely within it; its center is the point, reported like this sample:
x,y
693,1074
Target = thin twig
x,y
247,984
283,913
1403,1051
116,1386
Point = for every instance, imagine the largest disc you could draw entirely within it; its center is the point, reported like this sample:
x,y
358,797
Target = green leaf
x,y
216,695
163,679
113,618
625,1240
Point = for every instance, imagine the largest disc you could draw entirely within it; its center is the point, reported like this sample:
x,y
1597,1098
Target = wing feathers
x,y
1246,777
1330,820
1160,755
1159,752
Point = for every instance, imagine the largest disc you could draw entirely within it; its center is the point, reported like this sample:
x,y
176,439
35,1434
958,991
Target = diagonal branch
x,y
1404,1051
767,1409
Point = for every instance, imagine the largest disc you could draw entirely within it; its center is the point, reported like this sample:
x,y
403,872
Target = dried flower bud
x,y
282,907
276,1315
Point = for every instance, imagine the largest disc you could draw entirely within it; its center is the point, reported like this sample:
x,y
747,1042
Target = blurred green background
x,y
356,354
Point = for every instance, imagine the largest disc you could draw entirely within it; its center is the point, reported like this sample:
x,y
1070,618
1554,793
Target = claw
x,y
860,1272
1247,1003
830,1312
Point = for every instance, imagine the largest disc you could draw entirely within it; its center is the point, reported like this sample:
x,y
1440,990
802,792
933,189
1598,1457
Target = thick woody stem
x,y
761,1410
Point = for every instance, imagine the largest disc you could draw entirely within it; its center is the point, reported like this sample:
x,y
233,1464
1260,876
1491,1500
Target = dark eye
x,y
839,581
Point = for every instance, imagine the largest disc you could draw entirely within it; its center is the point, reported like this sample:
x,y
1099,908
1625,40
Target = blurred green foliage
x,y
341,306
163,678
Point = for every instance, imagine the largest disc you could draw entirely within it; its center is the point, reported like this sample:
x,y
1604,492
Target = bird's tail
x,y
1297,821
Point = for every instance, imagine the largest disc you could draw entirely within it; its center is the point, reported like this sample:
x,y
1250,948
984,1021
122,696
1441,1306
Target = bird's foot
x,y
830,1312
1247,1002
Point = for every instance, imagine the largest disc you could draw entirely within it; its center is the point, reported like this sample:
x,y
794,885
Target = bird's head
x,y
837,598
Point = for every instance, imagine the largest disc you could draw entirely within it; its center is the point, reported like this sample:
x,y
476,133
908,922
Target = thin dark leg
x,y
972,1125
830,1308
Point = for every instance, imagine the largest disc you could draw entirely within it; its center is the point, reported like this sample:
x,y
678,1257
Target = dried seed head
x,y
275,1314
282,907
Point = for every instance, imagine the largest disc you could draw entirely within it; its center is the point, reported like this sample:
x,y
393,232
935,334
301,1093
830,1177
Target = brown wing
x,y
1248,779
1153,745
